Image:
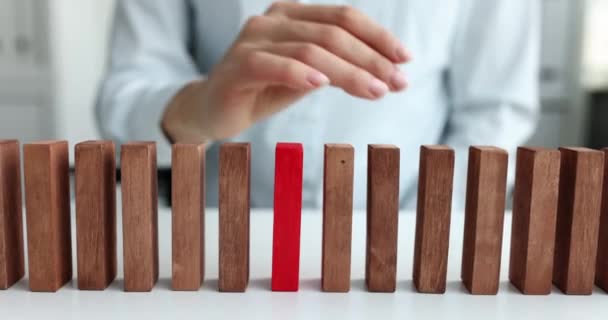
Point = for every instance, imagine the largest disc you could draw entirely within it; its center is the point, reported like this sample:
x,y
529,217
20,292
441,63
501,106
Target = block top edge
x,y
46,143
289,145
339,145
579,149
382,146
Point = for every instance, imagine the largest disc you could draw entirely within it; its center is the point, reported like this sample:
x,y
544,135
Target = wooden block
x,y
139,215
234,184
287,217
578,218
484,215
95,178
601,274
188,216
47,202
11,223
433,218
337,217
534,219
382,217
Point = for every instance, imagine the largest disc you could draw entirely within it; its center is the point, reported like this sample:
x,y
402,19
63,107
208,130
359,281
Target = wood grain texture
x,y
234,195
484,216
47,202
287,217
382,217
534,220
188,216
337,217
95,179
139,215
578,218
433,218
601,274
11,217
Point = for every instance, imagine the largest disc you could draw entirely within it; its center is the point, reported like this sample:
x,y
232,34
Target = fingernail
x,y
398,80
377,88
402,54
317,79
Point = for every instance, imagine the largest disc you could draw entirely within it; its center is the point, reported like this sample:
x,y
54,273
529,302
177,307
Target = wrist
x,y
182,120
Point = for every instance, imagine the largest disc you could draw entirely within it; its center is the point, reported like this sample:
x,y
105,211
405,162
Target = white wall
x,y
79,31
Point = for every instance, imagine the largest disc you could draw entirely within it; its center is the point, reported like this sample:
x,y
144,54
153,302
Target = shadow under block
x,y
188,216
578,218
234,184
337,217
382,217
95,178
534,219
11,221
287,217
139,215
433,218
47,201
601,273
484,216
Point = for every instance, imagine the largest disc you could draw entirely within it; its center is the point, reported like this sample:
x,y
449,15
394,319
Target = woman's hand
x,y
281,56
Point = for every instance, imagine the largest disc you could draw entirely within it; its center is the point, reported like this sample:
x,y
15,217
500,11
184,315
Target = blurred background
x,y
52,54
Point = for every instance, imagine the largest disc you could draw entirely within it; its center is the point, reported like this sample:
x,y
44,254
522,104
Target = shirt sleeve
x,y
149,61
492,81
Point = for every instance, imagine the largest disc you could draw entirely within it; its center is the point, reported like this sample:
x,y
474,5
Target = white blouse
x,y
473,81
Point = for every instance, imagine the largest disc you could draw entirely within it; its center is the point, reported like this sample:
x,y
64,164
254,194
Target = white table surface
x,y
258,302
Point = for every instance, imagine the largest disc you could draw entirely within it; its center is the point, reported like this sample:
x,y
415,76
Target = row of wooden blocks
x,y
559,227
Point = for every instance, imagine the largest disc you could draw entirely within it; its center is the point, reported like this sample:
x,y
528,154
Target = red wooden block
x,y
287,217
433,218
234,183
484,216
139,215
534,218
578,218
11,223
95,175
382,217
47,202
188,216
337,217
601,274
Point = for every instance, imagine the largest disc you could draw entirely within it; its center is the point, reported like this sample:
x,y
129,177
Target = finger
x,y
350,19
341,73
343,44
263,68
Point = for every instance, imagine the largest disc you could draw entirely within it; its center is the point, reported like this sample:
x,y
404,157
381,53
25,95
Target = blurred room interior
x,y
52,55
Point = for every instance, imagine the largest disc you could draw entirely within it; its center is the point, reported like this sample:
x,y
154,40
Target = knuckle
x,y
255,24
275,7
346,15
307,52
250,62
332,36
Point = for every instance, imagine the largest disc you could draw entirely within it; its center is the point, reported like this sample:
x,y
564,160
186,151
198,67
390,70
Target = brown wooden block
x,y
139,215
484,215
382,217
234,184
433,218
95,178
11,223
188,216
534,219
578,218
601,274
47,202
337,217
